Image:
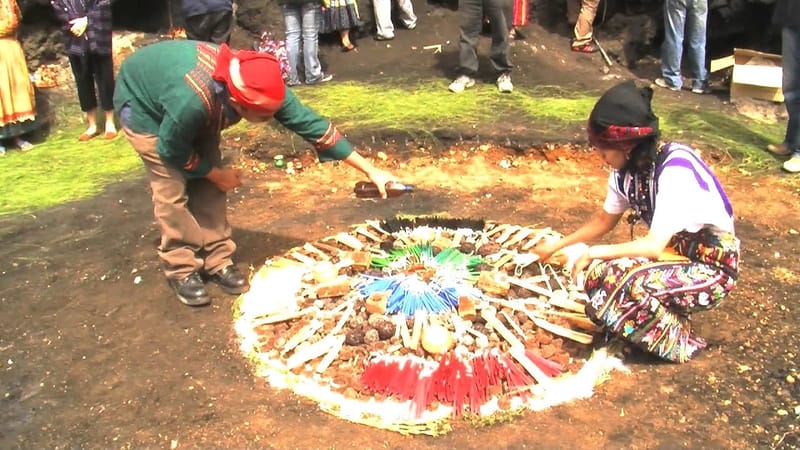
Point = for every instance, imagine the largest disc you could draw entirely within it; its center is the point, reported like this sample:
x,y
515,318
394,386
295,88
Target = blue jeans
x,y
687,16
791,86
303,19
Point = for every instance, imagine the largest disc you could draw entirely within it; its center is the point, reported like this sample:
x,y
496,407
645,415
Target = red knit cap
x,y
254,79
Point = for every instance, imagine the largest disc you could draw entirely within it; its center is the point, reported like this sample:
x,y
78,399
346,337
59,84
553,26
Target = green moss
x,y
61,169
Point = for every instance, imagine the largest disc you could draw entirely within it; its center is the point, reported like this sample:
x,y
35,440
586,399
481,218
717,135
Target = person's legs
x,y
650,307
471,16
293,20
407,15
383,19
208,206
791,85
496,11
583,31
103,66
791,93
84,82
310,12
696,18
181,235
221,27
198,28
672,48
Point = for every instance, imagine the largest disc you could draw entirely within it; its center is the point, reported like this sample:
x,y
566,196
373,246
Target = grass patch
x,y
61,169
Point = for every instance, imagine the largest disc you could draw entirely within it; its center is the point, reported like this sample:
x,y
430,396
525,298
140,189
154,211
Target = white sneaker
x,y
792,165
504,83
459,84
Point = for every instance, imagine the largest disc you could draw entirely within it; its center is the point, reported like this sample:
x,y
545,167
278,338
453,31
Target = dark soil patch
x,y
97,353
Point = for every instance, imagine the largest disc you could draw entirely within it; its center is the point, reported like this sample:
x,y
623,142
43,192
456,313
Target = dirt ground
x,y
97,353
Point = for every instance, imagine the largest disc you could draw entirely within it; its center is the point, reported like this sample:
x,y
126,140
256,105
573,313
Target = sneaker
x,y
701,89
792,165
412,26
459,84
504,83
664,83
323,79
381,37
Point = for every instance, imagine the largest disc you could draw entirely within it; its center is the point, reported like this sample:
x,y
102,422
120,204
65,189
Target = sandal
x,y
86,136
589,47
351,48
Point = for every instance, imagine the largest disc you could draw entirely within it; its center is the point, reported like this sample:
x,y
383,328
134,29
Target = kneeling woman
x,y
644,290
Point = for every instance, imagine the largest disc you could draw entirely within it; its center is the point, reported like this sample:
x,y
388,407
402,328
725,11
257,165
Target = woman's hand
x,y
546,249
580,265
78,26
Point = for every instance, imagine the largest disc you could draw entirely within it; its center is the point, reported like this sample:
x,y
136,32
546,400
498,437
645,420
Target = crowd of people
x,y
173,99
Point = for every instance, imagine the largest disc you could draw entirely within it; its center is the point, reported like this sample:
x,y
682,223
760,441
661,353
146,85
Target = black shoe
x,y
191,290
231,280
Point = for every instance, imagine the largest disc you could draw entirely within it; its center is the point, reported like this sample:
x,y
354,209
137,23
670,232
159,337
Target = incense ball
x,y
436,339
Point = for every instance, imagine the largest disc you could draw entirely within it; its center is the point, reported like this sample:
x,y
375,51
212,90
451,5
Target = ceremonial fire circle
x,y
412,323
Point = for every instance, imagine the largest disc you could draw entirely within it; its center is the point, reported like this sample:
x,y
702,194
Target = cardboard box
x,y
756,75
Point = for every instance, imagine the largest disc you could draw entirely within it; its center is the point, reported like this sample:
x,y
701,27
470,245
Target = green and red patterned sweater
x,y
170,93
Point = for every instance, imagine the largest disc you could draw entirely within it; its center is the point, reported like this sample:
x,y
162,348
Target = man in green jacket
x,y
174,98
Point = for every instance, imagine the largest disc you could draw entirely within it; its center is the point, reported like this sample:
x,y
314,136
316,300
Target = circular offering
x,y
410,324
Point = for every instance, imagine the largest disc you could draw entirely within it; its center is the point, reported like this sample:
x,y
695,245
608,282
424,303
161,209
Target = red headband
x,y
617,134
254,79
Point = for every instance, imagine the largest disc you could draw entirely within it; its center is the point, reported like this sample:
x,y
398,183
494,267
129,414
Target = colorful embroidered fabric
x,y
648,302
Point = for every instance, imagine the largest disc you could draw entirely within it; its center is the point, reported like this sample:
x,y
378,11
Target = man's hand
x,y
78,26
225,179
380,178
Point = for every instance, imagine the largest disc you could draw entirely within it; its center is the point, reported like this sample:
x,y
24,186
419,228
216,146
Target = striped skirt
x,y
648,303
339,15
522,11
17,107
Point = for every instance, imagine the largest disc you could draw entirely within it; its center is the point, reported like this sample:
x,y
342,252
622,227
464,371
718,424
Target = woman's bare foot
x,y
22,144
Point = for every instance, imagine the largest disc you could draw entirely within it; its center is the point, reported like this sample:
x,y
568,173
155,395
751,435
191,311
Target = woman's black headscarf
x,y
623,117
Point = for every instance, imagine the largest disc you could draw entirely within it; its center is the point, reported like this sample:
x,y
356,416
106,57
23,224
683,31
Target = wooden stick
x,y
376,225
302,258
507,233
311,249
525,284
536,238
579,320
349,240
331,355
517,350
511,321
330,249
518,237
496,229
576,336
302,335
312,351
416,333
281,317
603,52
364,232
